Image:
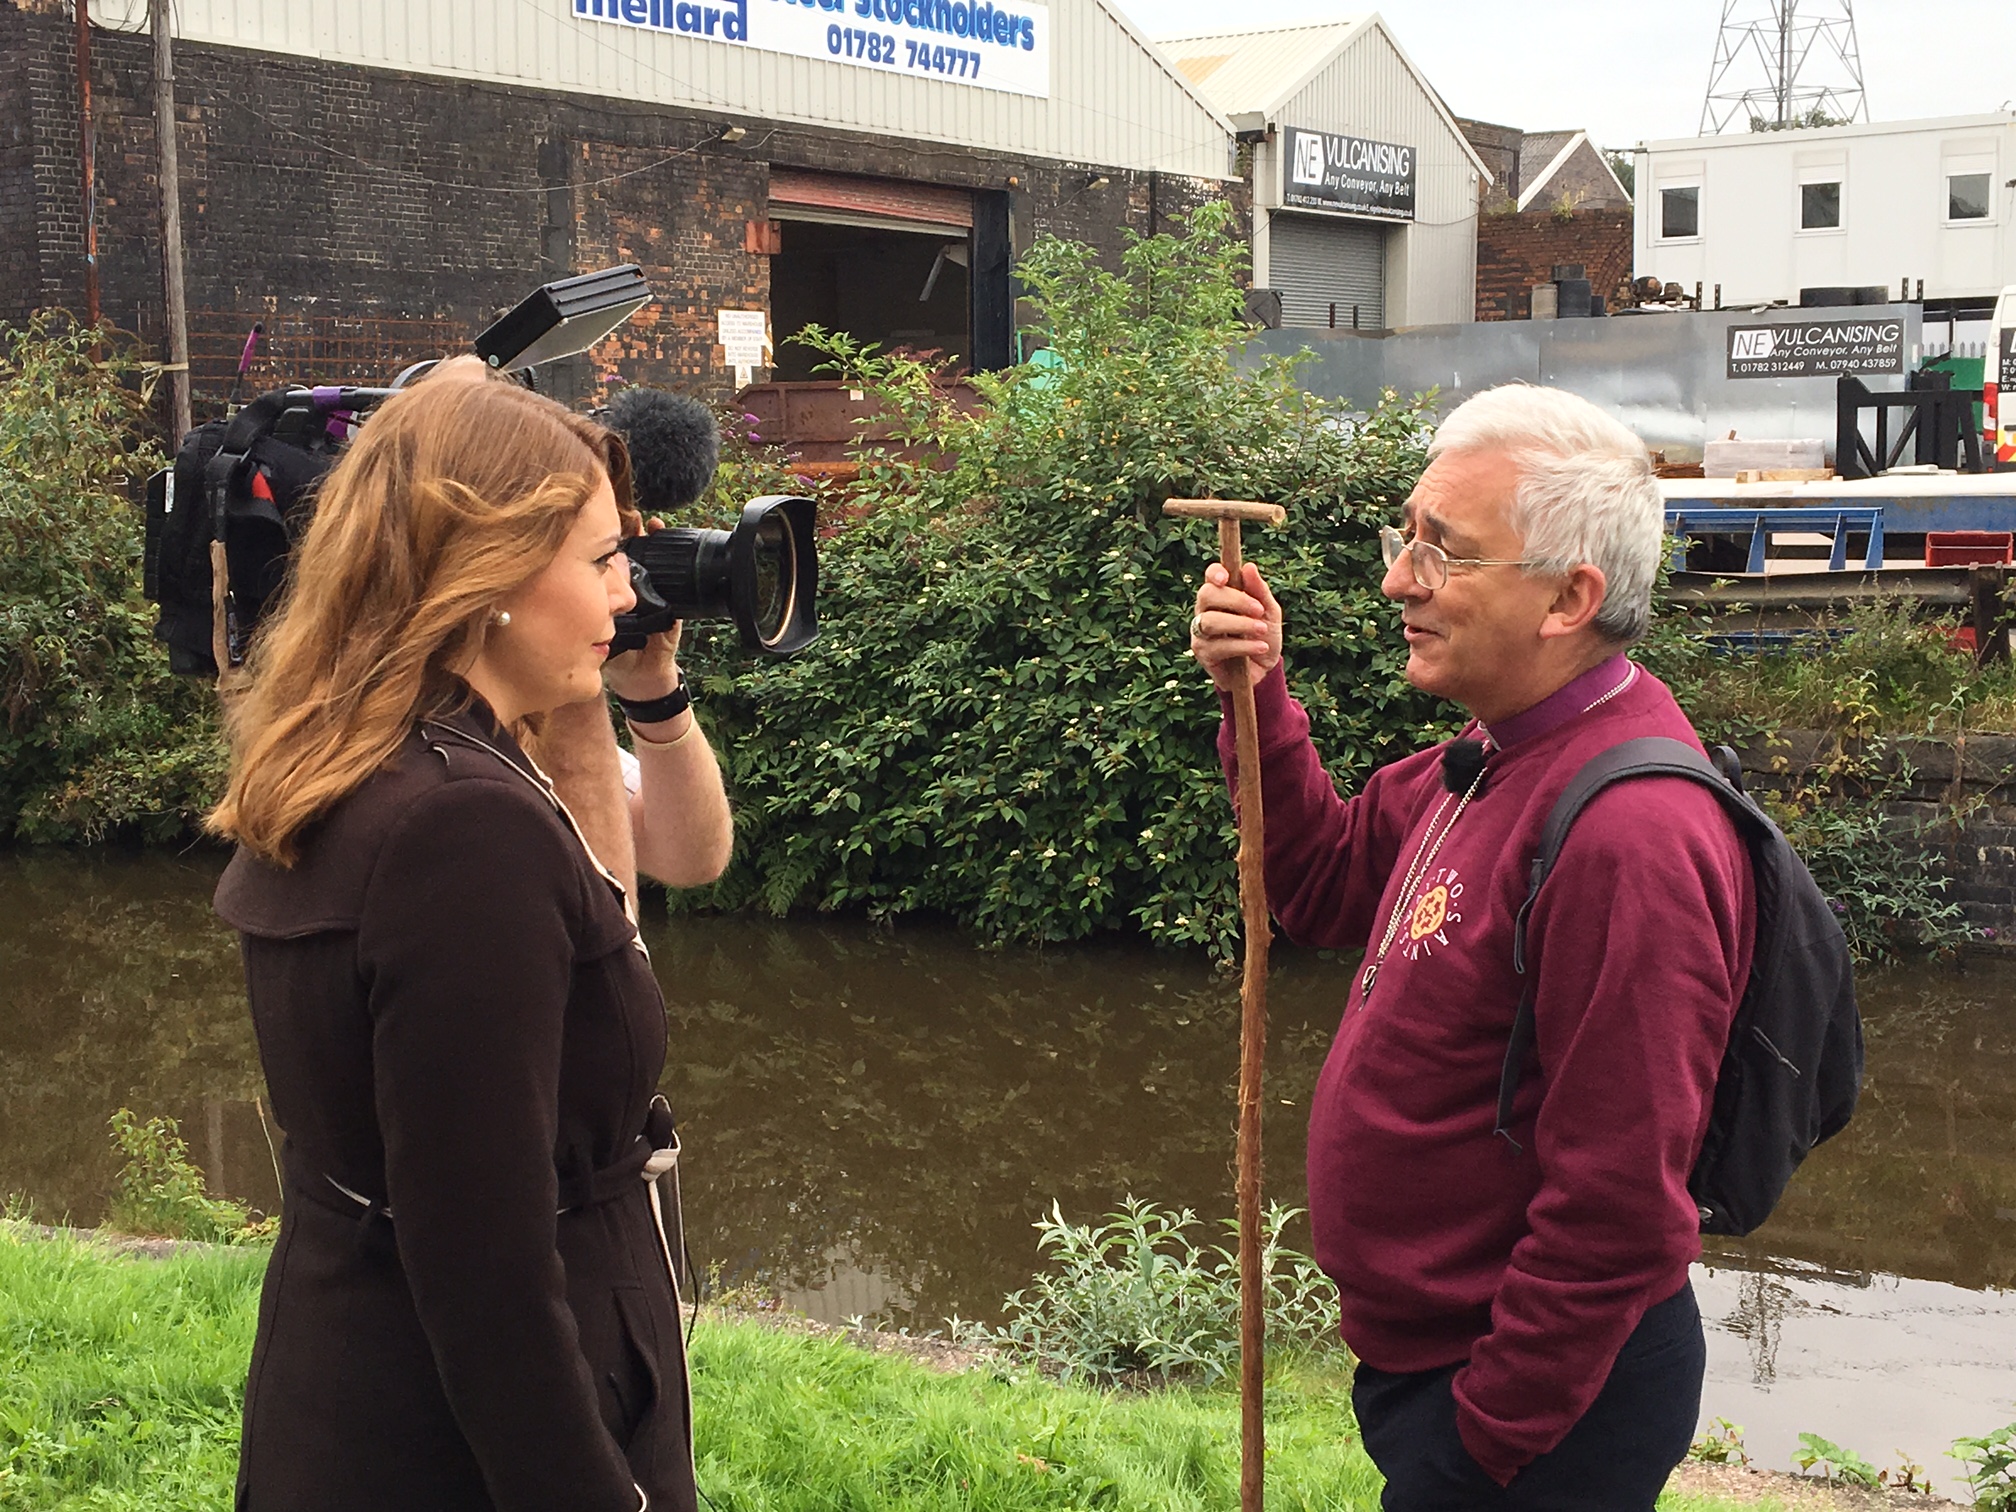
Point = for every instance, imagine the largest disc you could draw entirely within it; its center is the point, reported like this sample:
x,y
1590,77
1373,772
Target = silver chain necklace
x,y
1424,854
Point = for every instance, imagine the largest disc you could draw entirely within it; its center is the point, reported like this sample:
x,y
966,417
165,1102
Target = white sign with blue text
x,y
980,44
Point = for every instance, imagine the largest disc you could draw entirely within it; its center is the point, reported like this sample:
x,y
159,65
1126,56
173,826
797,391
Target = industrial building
x,y
1365,192
376,182
1918,210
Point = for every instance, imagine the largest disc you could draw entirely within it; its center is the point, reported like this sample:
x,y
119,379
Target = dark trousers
x,y
1616,1459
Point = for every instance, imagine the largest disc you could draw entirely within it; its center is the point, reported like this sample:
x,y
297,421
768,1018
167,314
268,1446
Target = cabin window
x,y
1680,211
1820,206
1967,196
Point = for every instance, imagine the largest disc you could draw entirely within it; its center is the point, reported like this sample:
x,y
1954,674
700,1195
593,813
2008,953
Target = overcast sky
x,y
1636,70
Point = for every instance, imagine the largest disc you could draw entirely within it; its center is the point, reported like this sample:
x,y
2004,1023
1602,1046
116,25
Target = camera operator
x,y
472,1305
663,811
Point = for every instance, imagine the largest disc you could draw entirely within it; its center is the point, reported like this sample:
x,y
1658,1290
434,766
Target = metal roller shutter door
x,y
1317,261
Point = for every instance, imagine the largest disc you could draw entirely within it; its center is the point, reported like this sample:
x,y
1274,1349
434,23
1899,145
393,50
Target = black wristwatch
x,y
658,710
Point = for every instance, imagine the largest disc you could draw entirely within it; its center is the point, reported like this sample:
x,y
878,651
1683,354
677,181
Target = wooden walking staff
x,y
1252,1009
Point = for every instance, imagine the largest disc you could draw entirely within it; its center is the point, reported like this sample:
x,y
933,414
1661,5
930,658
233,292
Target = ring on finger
x,y
1196,626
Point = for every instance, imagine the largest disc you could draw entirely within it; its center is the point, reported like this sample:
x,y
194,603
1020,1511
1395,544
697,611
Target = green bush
x,y
1880,674
1137,1295
1002,722
95,735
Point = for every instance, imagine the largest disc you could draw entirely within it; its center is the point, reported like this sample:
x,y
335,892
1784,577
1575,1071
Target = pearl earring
x,y
501,618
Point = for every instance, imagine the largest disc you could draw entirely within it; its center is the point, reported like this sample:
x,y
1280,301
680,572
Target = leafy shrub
x,y
1990,1463
95,735
1885,878
1002,722
161,1194
1881,673
1137,1295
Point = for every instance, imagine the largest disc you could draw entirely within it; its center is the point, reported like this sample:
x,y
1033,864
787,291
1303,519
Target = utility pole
x,y
85,154
171,222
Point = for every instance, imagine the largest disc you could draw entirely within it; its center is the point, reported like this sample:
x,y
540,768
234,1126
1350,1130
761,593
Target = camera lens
x,y
774,578
763,575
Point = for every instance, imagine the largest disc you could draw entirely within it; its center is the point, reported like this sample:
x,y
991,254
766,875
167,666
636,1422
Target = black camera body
x,y
248,484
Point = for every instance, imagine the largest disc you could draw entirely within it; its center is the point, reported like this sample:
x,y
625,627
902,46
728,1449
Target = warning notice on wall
x,y
1816,348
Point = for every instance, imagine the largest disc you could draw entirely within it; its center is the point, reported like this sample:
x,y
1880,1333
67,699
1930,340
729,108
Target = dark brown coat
x,y
459,1026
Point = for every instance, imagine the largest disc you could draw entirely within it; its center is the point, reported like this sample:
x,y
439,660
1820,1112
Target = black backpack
x,y
248,481
1793,1067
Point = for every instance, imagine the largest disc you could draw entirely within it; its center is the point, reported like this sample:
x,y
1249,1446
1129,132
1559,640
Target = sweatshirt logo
x,y
1435,912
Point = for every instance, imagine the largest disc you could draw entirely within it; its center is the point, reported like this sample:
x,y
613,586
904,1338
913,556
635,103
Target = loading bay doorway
x,y
898,288
922,268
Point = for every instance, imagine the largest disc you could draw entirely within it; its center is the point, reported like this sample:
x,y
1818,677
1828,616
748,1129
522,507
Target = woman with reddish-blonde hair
x,y
473,1301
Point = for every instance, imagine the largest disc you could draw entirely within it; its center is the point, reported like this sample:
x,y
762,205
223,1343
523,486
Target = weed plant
x,y
1990,1463
161,1194
1138,1296
1834,1462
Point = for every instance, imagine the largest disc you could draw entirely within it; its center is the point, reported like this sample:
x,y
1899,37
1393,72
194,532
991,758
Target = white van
x,y
1998,399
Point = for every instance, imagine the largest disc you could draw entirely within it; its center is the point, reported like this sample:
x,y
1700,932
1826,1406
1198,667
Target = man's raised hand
x,y
1233,623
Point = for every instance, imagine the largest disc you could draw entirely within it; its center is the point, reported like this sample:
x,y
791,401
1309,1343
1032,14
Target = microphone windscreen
x,y
674,445
1462,764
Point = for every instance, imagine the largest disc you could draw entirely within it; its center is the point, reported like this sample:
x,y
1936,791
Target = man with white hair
x,y
1519,1305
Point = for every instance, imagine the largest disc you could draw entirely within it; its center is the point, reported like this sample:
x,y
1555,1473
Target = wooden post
x,y
171,225
86,155
1252,1016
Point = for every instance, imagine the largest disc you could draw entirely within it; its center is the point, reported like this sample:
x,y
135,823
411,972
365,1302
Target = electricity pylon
x,y
1781,63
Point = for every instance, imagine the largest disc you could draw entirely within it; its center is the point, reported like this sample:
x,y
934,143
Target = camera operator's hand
x,y
1234,623
653,671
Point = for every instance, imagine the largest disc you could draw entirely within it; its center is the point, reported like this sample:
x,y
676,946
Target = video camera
x,y
242,491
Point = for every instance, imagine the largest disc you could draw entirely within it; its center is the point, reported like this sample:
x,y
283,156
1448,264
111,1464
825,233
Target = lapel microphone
x,y
1463,764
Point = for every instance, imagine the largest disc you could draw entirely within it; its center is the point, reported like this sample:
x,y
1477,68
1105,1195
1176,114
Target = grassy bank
x,y
120,1378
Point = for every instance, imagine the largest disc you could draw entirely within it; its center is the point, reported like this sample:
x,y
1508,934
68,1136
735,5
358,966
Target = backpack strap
x,y
1646,756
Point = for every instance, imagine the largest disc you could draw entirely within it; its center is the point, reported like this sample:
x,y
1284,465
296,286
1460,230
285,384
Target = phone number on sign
x,y
880,47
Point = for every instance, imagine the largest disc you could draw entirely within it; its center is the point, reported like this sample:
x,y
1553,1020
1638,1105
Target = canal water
x,y
874,1121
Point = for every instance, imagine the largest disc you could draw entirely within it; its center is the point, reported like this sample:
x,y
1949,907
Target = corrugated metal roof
x,y
1257,70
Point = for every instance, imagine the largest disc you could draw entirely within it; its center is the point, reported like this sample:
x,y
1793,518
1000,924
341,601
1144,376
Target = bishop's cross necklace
x,y
1431,844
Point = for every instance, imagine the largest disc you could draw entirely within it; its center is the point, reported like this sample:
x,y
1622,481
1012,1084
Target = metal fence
x,y
1663,374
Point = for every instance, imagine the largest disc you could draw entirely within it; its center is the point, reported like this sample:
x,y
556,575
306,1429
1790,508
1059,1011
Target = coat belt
x,y
651,1154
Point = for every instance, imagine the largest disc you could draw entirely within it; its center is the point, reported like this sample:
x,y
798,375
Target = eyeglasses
x,y
1429,562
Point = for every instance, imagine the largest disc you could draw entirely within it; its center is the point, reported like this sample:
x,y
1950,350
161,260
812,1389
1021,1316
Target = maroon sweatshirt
x,y
1445,1243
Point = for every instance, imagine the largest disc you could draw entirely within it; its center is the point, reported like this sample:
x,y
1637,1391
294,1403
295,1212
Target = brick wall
x,y
1973,779
311,188
1499,147
1516,251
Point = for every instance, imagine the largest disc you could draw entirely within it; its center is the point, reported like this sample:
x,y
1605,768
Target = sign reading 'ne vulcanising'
x,y
1816,348
978,44
1325,171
